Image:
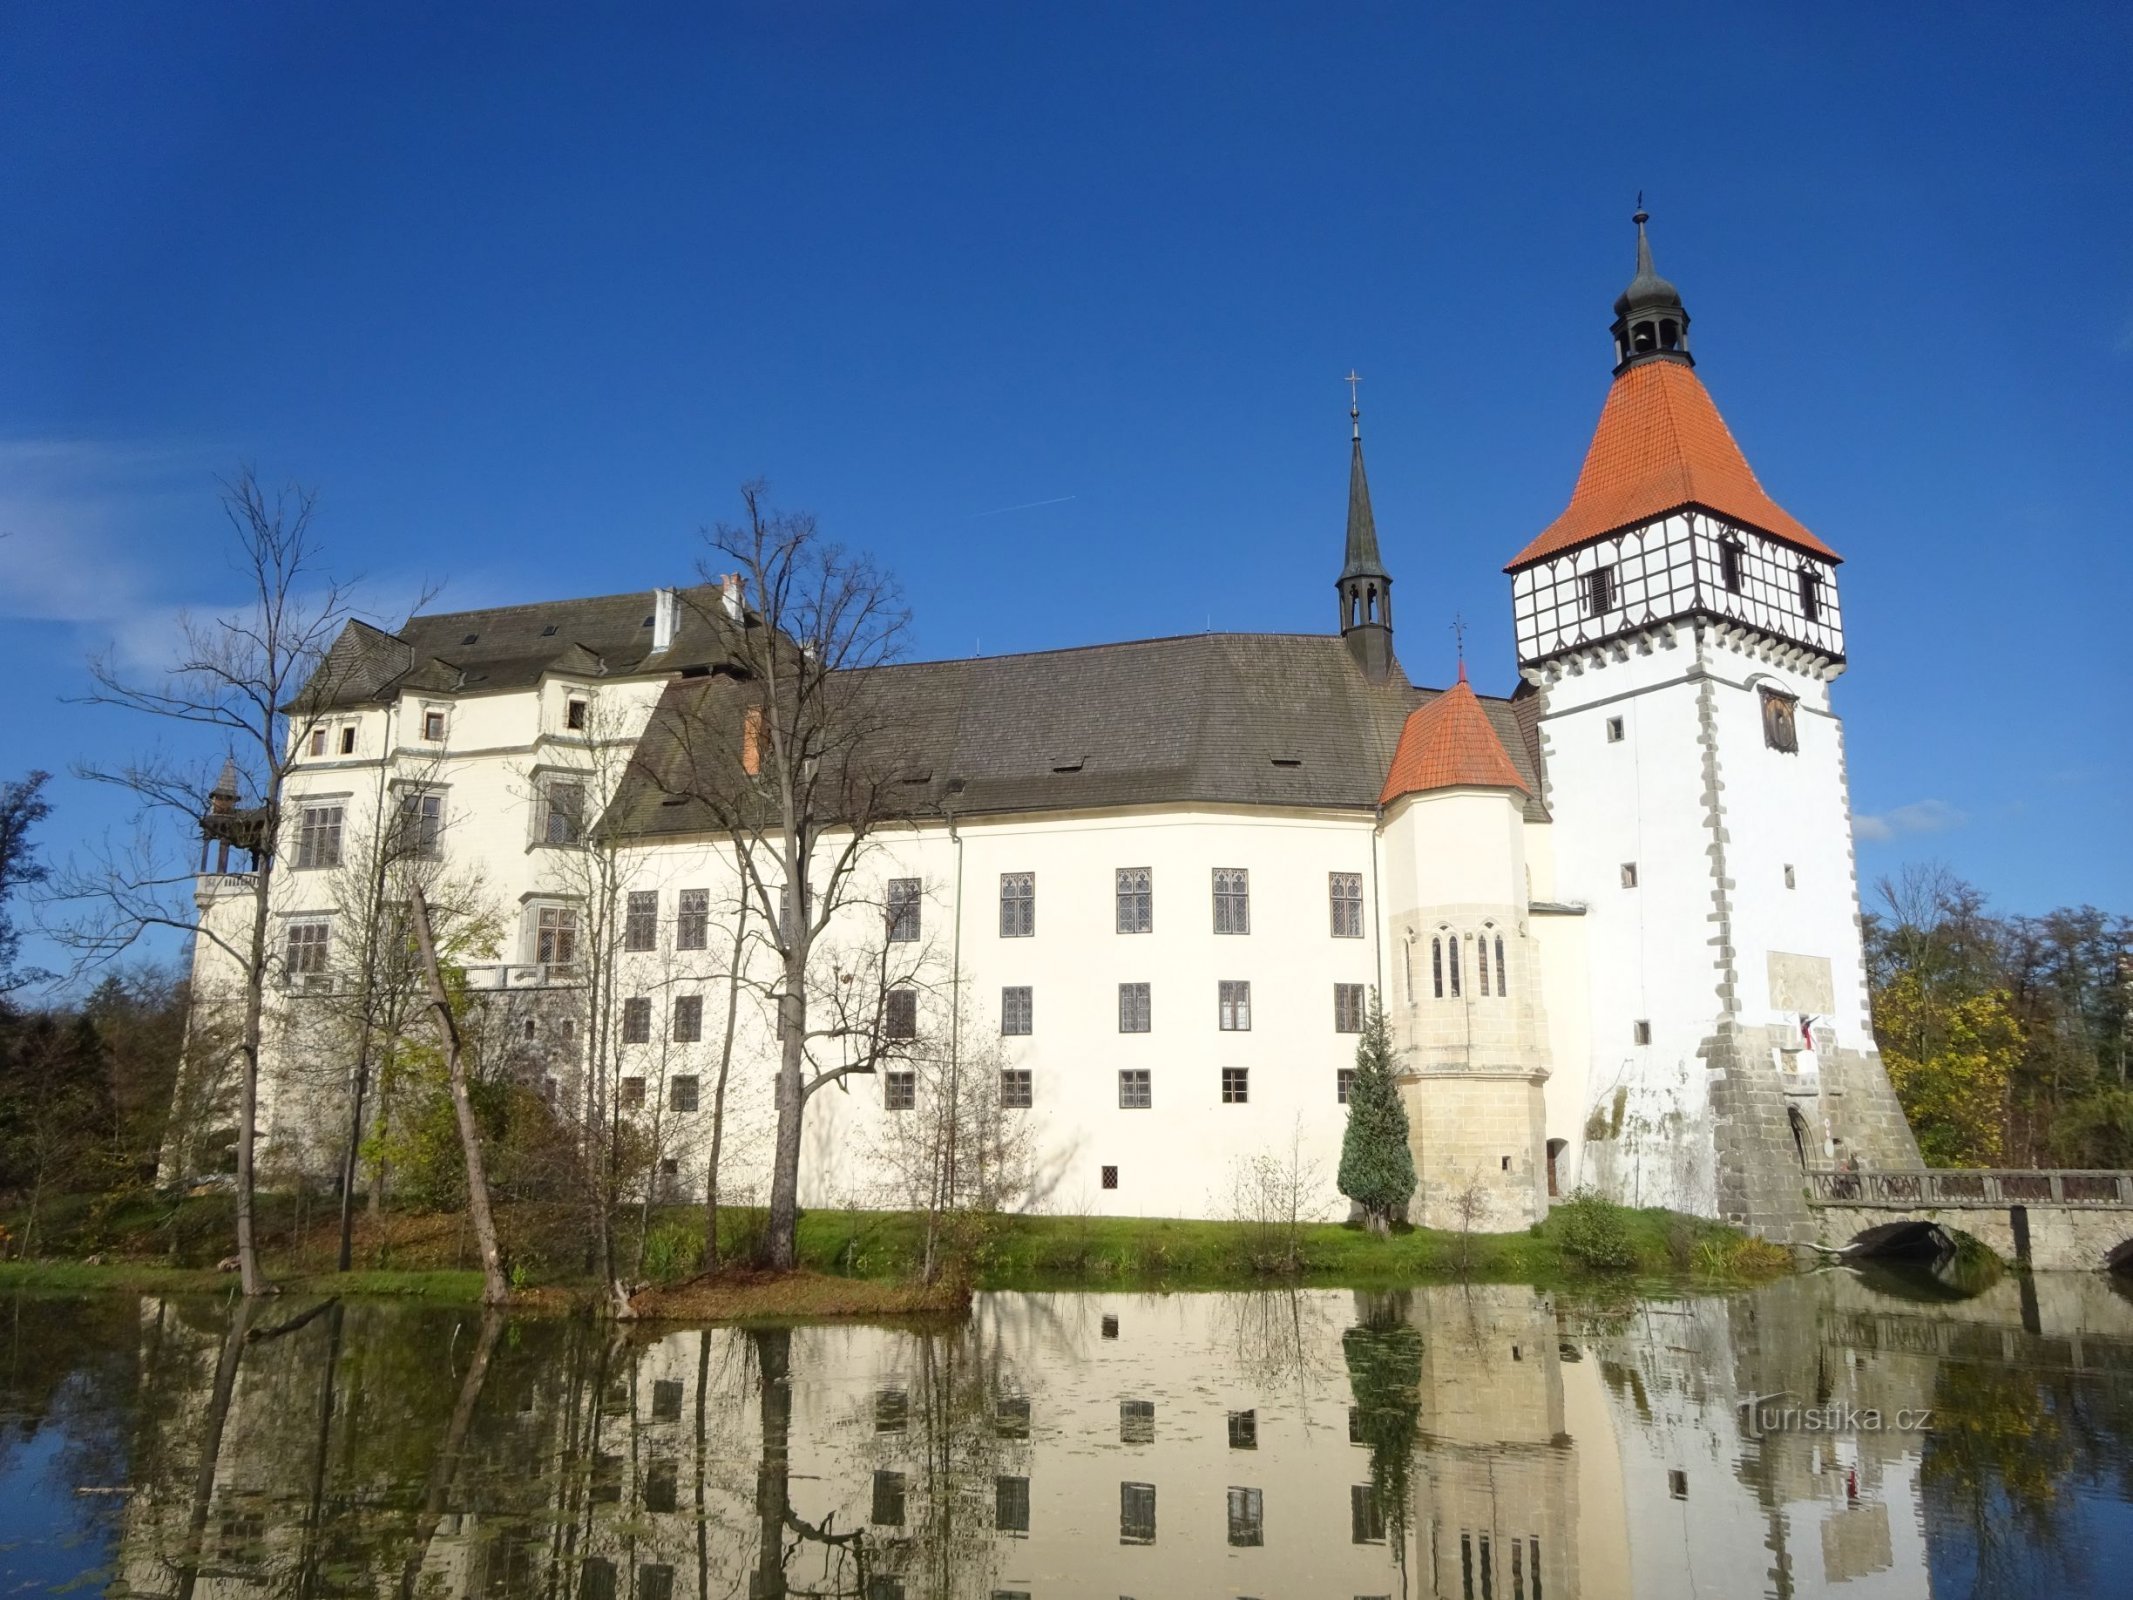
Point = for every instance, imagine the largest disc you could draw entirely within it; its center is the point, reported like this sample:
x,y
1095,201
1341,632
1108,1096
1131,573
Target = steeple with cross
x,y
1364,586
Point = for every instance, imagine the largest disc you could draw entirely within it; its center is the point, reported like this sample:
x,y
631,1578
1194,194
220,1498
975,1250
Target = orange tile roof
x,y
1662,445
1448,744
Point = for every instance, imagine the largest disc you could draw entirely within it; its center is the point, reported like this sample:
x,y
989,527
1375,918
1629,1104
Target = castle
x,y
1613,918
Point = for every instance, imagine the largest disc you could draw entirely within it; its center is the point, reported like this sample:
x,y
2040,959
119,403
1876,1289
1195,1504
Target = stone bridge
x,y
2053,1221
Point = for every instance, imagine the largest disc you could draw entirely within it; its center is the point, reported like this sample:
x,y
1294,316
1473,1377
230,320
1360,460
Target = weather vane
x,y
1459,639
1355,408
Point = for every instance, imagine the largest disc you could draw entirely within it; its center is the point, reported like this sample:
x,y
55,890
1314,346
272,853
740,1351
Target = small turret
x,y
1364,586
1651,324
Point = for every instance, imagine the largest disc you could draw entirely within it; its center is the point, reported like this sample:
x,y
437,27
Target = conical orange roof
x,y
1662,445
1449,744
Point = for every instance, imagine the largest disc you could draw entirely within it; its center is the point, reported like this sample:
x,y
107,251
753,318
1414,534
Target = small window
x,y
1729,558
1810,594
1436,967
561,812
1136,900
899,1091
1233,1004
1236,1086
682,1093
1343,1083
640,920
1348,1008
1366,1515
318,741
637,1020
1017,1090
1247,1518
1109,1180
1503,973
1345,891
1108,1324
1136,1422
1011,1505
1010,1417
421,823
318,837
1781,725
1677,1484
309,946
632,1093
1134,1013
1599,591
555,941
892,1410
1614,730
655,1580
575,712
666,1399
1135,1093
1018,905
433,727
1629,874
903,910
688,1018
348,740
1244,1430
1136,1513
1641,1031
1790,882
1015,1010
888,1500
900,1014
1451,966
692,919
1233,900
1481,963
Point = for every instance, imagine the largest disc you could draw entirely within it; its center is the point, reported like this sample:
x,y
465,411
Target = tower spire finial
x,y
1355,408
1459,641
1650,321
1364,586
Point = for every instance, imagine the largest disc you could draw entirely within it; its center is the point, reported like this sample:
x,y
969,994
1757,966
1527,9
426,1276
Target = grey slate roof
x,y
1213,719
510,647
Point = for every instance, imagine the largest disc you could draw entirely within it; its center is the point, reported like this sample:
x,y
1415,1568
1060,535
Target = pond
x,y
1829,1434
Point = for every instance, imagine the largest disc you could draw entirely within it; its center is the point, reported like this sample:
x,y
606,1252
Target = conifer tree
x,y
1377,1167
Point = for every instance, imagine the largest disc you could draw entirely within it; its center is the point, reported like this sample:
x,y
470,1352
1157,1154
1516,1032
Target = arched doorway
x,y
1556,1147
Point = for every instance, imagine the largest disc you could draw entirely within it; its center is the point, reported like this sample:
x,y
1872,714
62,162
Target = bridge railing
x,y
1956,1187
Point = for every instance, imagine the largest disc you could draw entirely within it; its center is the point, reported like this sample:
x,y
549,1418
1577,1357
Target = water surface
x,y
1491,1442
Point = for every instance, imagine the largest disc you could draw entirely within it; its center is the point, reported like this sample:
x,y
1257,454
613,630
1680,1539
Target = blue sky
x,y
525,292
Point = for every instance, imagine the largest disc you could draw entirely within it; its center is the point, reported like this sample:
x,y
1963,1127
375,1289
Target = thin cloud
x,y
1920,816
1027,505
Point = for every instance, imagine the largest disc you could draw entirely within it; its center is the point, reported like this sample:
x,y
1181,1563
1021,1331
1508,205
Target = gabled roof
x,y
1450,743
1661,446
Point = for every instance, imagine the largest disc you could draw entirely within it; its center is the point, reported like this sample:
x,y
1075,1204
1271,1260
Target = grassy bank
x,y
171,1247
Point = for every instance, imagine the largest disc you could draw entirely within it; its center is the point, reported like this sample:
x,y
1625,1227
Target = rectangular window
x,y
1629,874
1233,1005
900,1014
1810,594
561,813
1016,1011
318,837
1133,1008
632,1093
1010,1505
903,910
310,944
348,740
555,937
1018,905
433,726
1366,1517
1017,1092
1247,1517
1614,730
1244,1430
1010,1417
1346,892
318,741
688,1018
640,920
899,1091
1136,1513
1599,591
1136,900
1729,554
1135,1093
596,1579
661,1481
888,1500
1108,1178
1347,1008
692,919
1791,880
1136,1422
1236,1085
575,714
421,823
666,1399
1641,1032
1677,1484
1343,1081
1233,900
637,1019
655,1581
892,1410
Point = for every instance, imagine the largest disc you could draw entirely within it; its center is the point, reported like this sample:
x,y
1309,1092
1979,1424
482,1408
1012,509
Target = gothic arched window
x,y
1436,967
1455,965
1481,961
1502,976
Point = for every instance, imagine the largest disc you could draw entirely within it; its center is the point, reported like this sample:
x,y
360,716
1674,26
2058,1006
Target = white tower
x,y
1681,632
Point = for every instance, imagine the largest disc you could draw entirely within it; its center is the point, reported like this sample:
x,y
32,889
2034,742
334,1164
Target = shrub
x,y
1593,1233
671,1252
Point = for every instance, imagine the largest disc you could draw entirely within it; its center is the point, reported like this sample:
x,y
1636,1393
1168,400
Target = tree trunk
x,y
444,1465
791,1100
355,1140
253,1280
718,1094
495,1290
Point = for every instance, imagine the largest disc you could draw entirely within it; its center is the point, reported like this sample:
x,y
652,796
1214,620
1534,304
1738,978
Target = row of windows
x,y
1601,591
321,830
1448,965
1136,1092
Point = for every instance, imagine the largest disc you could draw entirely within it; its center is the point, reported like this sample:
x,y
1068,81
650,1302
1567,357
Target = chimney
x,y
752,739
730,588
666,618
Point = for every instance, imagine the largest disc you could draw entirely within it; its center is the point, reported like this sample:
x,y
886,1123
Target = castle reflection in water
x,y
1493,1441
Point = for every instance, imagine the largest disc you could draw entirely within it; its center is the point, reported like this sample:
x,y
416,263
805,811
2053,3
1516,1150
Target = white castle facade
x,y
1613,917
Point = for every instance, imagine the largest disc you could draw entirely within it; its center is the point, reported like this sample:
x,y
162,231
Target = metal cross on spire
x,y
1355,409
1459,641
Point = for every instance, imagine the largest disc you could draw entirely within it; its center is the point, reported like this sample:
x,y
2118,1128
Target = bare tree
x,y
801,785
256,680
